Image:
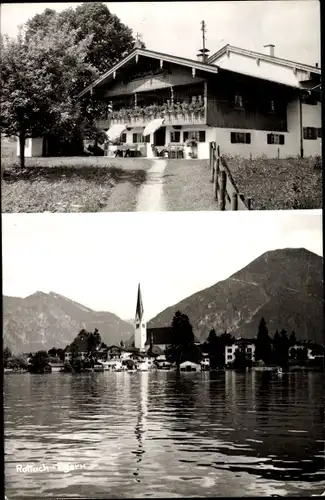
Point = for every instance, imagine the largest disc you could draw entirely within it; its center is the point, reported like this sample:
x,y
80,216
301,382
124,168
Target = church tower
x,y
140,329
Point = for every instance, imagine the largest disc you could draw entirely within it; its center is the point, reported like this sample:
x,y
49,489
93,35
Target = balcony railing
x,y
178,114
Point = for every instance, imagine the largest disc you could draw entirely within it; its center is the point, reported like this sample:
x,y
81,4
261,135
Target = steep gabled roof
x,y
191,63
264,57
159,336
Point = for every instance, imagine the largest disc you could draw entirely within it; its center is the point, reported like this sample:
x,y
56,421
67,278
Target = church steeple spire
x,y
140,332
139,309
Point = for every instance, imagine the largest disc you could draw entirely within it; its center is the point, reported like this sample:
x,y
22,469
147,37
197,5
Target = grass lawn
x,y
80,184
187,186
93,184
284,184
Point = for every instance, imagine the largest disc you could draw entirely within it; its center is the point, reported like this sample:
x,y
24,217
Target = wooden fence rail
x,y
225,189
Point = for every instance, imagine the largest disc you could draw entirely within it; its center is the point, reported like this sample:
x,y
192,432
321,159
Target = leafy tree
x,y
292,339
182,347
60,354
111,40
52,352
7,354
17,363
40,75
284,348
39,362
105,40
93,341
276,344
263,349
212,336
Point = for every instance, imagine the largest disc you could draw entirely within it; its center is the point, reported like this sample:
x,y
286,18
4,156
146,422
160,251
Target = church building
x,y
144,338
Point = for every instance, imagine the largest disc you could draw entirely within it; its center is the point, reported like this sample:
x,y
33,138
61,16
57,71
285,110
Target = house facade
x,y
249,103
247,345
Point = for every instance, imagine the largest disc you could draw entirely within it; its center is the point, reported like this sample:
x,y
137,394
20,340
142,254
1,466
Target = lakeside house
x,y
246,345
250,103
306,350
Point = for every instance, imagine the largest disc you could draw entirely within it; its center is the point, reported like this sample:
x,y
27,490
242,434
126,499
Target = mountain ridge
x,y
284,283
44,320
280,283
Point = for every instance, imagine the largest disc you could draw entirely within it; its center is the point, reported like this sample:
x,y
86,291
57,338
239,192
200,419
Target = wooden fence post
x,y
210,155
216,185
213,156
234,205
223,183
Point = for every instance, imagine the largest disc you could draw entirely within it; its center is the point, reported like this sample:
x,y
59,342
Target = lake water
x,y
164,435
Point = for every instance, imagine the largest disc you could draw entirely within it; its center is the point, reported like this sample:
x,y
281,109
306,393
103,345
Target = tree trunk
x,y
22,140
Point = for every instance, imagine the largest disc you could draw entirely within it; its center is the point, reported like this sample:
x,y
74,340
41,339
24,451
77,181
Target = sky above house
x,y
174,27
99,259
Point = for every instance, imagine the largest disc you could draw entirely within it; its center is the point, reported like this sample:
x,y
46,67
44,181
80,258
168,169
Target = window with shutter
x,y
281,142
270,138
175,137
185,136
135,138
310,133
240,138
202,136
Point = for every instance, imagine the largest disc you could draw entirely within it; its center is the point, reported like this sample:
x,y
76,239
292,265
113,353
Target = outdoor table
x,y
126,150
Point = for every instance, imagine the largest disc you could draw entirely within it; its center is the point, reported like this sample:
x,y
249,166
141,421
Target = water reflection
x,y
141,424
166,434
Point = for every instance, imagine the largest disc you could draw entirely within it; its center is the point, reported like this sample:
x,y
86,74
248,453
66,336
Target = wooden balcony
x,y
172,119
138,119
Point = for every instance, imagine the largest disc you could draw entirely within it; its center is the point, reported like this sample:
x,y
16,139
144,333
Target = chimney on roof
x,y
204,52
270,48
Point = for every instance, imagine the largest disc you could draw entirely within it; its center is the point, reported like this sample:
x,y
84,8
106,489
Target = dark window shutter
x,y
233,137
135,138
185,136
202,136
314,133
319,131
269,138
248,138
281,139
177,137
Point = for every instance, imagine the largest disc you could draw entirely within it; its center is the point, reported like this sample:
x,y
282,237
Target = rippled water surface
x,y
164,435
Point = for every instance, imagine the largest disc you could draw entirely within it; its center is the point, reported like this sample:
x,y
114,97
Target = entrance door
x,y
159,137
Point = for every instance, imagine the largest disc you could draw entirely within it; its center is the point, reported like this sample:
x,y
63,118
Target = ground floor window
x,y
123,138
319,132
138,137
240,137
310,133
175,137
196,135
275,139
